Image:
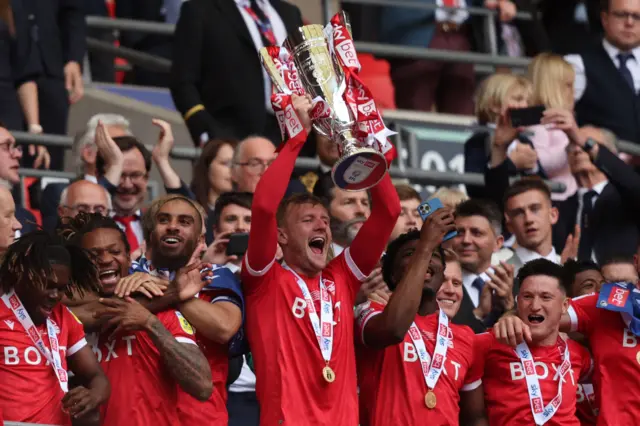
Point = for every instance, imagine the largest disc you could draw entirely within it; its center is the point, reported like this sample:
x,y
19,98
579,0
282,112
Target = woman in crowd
x,y
212,176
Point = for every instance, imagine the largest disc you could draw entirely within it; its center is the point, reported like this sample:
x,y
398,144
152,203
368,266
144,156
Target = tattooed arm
x,y
184,361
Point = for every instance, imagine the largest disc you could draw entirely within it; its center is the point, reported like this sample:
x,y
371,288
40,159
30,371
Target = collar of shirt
x,y
91,178
599,187
337,249
467,279
613,52
527,255
137,214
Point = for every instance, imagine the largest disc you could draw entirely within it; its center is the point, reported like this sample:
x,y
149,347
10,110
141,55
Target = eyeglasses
x,y
85,208
11,147
624,16
136,177
256,165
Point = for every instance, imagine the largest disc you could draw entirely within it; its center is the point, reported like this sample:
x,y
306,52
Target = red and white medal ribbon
x,y
432,366
13,302
542,413
323,324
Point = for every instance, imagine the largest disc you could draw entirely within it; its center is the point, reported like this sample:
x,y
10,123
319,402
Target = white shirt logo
x,y
9,323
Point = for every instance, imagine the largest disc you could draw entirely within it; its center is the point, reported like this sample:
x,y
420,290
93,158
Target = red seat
x,y
375,74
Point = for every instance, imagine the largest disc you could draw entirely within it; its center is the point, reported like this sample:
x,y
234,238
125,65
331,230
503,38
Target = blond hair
x,y
450,197
549,74
493,92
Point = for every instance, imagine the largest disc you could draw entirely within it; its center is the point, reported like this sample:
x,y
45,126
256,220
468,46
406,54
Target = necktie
x,y
587,232
624,70
172,11
262,22
479,284
126,221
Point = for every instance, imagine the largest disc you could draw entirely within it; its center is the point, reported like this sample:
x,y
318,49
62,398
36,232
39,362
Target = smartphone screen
x,y
427,208
522,117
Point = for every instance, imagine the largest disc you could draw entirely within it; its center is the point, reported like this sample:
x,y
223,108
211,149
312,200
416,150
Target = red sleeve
x,y
263,236
587,363
584,313
372,239
178,326
364,312
75,337
481,345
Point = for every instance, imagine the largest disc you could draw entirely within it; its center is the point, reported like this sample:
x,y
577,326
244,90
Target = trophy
x,y
319,74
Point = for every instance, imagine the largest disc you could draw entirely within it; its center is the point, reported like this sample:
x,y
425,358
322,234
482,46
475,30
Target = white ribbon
x,y
13,302
432,368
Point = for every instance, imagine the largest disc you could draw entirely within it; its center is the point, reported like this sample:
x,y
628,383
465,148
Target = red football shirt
x,y
143,392
616,356
505,387
288,362
214,410
584,407
29,388
392,386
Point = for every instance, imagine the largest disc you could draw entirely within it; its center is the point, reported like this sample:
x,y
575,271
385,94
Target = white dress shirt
x,y
246,381
467,280
279,30
527,255
580,83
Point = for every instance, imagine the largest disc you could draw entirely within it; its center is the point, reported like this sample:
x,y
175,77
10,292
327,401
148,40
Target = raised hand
x,y
510,330
302,105
217,252
191,279
123,314
143,283
570,250
502,284
165,140
436,226
110,153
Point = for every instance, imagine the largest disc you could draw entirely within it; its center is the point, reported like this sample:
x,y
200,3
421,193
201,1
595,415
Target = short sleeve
x,y
349,271
587,364
178,326
481,344
364,312
584,313
75,337
254,281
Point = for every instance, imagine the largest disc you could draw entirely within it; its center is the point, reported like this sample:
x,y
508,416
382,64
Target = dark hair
x,y
127,143
83,223
484,208
406,192
200,184
28,262
547,268
616,258
149,218
526,184
293,200
324,188
573,267
242,199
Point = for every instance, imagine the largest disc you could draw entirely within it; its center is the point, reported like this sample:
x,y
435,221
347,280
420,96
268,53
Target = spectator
x,y
450,197
251,158
409,218
585,276
10,155
327,151
231,101
84,196
422,84
9,225
608,74
620,269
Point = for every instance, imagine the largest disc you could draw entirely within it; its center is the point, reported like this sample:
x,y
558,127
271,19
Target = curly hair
x,y
28,262
77,227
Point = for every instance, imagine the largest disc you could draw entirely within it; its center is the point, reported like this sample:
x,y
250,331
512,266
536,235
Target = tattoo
x,y
185,362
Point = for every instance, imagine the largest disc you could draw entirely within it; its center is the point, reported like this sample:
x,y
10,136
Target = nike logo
x,y
9,323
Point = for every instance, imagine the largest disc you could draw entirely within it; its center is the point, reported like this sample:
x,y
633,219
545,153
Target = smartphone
x,y
427,208
238,243
522,117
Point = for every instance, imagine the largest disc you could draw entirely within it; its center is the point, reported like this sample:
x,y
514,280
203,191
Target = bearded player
x,y
299,380
414,366
147,357
540,376
40,339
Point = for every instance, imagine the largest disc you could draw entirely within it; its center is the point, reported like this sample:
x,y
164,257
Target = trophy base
x,y
359,171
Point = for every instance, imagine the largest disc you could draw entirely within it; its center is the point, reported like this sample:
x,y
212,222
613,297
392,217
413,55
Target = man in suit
x,y
9,224
217,80
479,226
84,196
251,158
56,34
608,74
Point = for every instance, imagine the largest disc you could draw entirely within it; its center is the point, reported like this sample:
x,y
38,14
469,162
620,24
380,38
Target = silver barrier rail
x,y
136,57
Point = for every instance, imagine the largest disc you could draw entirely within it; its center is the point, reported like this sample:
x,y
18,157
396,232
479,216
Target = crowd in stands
x,y
256,294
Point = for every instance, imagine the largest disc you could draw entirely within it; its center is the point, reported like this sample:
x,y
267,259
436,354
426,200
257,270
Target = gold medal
x,y
430,400
328,374
638,357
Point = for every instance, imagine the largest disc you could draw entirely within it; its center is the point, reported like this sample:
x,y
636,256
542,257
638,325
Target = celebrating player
x,y
300,313
40,338
147,355
541,376
412,363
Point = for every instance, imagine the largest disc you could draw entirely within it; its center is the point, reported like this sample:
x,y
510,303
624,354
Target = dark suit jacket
x,y
49,202
465,314
26,219
565,35
215,63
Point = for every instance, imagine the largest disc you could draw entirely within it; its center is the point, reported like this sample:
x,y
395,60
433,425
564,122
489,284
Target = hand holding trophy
x,y
322,63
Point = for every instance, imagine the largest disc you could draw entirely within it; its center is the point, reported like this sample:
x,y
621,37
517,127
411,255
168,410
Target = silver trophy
x,y
321,75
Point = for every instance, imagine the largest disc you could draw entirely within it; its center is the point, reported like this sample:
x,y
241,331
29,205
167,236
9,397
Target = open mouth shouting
x,y
535,319
109,277
171,241
317,244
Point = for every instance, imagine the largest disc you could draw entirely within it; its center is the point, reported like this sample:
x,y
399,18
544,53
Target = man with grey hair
x,y
84,157
250,160
84,196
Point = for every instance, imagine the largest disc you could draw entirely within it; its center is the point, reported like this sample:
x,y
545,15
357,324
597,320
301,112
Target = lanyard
x,y
323,325
590,396
542,414
432,370
13,302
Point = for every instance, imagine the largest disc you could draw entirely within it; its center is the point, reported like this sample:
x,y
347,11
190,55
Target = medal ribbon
x,y
13,302
542,414
323,325
432,370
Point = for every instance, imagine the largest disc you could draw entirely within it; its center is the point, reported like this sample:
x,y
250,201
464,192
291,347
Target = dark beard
x,y
172,263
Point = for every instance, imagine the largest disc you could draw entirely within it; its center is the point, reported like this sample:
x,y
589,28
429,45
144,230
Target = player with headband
x,y
414,366
40,339
535,382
